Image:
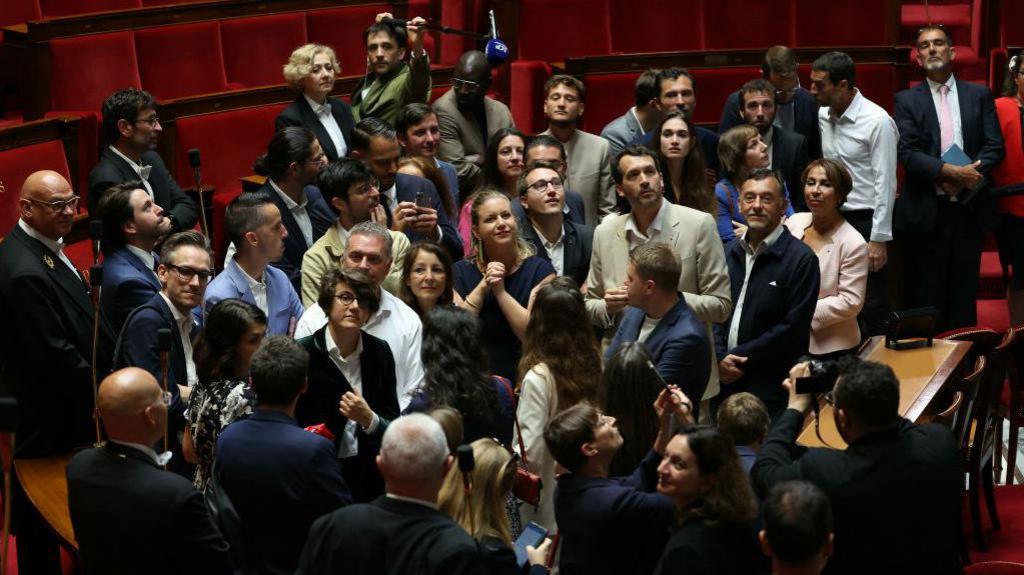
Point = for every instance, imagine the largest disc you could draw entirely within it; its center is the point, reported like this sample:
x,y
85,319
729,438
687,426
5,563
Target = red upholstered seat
x,y
527,94
16,164
181,60
235,138
553,30
608,96
713,86
87,69
342,29
463,15
655,25
255,49
18,12
746,24
852,23
52,8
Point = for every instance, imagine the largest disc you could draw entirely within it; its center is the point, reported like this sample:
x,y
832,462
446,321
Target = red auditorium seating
x,y
251,43
713,88
647,27
858,23
746,24
16,164
18,11
182,60
53,8
553,30
342,29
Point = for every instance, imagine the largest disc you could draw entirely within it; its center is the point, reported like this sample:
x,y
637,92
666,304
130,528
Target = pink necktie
x,y
945,119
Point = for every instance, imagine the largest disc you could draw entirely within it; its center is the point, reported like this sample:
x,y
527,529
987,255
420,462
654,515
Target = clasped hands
x,y
953,178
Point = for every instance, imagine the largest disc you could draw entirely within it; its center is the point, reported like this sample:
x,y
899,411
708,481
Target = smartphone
x,y
532,535
422,200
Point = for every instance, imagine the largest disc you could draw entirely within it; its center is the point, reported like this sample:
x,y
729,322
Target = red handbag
x,y
527,485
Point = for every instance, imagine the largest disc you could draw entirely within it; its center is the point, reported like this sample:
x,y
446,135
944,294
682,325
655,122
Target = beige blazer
x,y
461,144
843,262
704,280
326,253
590,174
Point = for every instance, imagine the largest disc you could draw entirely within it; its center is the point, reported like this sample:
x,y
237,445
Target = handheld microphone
x,y
443,29
466,465
163,346
96,235
496,51
197,176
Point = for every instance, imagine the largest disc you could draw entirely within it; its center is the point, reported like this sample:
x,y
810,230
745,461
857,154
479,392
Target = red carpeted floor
x,y
1007,544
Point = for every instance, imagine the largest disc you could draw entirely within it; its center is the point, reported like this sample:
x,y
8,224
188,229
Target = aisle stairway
x,y
963,20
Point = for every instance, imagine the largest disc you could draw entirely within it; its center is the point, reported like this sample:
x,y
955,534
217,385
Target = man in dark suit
x,y
46,348
945,207
293,160
659,318
329,118
402,531
132,226
774,279
127,512
547,148
131,128
565,244
411,203
891,470
795,108
787,149
420,135
186,267
279,476
610,525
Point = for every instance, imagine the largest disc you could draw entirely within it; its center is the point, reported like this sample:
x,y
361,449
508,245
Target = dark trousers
x,y
37,544
945,263
875,313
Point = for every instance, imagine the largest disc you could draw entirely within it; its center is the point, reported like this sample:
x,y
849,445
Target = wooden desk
x,y
922,374
45,482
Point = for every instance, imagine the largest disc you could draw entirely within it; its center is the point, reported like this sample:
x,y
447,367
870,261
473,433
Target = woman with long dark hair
x,y
503,165
629,385
560,367
716,534
682,164
232,332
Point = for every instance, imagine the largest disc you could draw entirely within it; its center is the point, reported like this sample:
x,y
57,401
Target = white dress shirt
x,y
349,366
752,255
555,250
636,238
56,247
258,289
299,212
185,324
396,323
323,113
142,171
864,139
147,258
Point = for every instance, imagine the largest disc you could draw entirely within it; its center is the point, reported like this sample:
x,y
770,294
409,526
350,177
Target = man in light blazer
x,y
460,112
253,223
637,120
692,235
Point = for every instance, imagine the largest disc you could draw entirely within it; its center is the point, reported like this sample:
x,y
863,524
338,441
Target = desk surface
x,y
45,482
922,373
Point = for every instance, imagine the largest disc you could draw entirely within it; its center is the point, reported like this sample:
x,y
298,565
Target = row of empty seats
x,y
18,11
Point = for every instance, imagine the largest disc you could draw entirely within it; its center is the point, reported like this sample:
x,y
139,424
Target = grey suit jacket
x,y
704,280
622,131
461,142
590,174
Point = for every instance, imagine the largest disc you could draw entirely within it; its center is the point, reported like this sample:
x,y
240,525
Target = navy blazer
x,y
299,113
789,156
805,118
577,243
321,217
130,515
320,405
918,150
451,177
612,525
284,305
775,328
280,479
112,170
679,346
136,346
127,284
406,188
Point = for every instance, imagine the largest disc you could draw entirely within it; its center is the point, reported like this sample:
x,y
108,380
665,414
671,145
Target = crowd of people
x,y
617,319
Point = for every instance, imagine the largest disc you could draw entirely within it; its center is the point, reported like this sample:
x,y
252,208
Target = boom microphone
x,y
197,176
443,29
496,51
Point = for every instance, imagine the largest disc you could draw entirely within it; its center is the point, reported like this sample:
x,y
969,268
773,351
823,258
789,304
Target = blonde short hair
x,y
300,63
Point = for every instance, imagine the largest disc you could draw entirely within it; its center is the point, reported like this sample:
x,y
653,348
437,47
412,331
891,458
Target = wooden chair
x,y
948,416
1010,405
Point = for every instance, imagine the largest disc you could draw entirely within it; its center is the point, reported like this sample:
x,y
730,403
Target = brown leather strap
x,y
515,417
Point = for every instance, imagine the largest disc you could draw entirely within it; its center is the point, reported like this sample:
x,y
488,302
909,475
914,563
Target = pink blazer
x,y
844,276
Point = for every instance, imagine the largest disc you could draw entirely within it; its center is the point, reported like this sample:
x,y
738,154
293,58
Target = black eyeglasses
x,y
346,298
186,273
542,185
152,120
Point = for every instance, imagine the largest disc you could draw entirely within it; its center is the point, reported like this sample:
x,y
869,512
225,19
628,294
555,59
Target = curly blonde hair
x,y
300,63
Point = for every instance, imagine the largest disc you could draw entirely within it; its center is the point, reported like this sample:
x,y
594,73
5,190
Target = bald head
x,y
471,79
131,406
45,206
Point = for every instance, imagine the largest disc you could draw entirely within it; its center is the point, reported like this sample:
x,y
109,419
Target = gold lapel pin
x,y
48,261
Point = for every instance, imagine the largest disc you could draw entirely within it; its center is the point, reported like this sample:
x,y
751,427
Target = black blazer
x,y
137,343
406,188
576,254
918,150
113,170
46,347
320,405
320,216
874,485
131,516
789,156
299,113
805,118
388,537
697,548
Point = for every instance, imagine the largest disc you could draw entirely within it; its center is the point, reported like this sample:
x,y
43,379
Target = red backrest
x,y
16,164
87,69
1013,32
181,60
255,49
342,29
647,27
18,12
747,24
553,30
852,23
608,97
52,8
713,87
168,2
